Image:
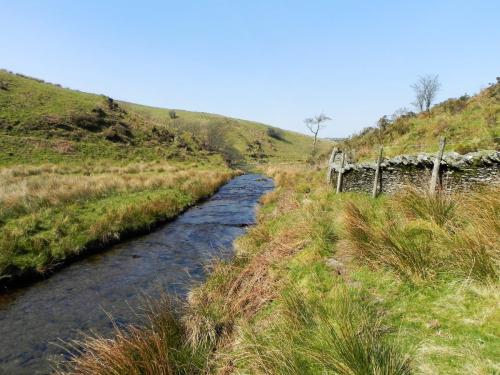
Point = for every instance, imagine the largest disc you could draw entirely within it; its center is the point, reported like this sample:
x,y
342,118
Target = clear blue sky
x,y
275,62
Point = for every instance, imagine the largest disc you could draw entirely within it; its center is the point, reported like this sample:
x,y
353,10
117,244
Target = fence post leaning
x,y
435,169
330,162
378,177
341,172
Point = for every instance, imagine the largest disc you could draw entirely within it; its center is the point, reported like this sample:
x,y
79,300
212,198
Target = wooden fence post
x,y
435,169
378,177
341,172
330,162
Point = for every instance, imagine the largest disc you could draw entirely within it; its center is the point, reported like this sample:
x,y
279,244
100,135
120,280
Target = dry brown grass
x,y
154,348
51,212
240,288
236,290
24,190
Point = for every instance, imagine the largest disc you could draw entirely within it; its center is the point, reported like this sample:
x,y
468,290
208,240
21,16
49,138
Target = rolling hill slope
x,y
43,122
79,171
469,123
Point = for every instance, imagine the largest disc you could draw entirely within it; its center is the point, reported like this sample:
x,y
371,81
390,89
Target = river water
x,y
83,296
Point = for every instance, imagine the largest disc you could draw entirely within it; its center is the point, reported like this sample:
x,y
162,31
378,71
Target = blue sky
x,y
275,62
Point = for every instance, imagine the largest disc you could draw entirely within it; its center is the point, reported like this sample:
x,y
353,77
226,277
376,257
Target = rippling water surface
x,y
80,297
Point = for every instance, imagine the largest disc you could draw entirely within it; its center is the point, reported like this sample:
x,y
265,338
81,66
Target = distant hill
x,y
469,123
43,122
335,139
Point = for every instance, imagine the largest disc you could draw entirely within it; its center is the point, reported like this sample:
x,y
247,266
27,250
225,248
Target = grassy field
x,y
332,284
469,123
45,123
51,212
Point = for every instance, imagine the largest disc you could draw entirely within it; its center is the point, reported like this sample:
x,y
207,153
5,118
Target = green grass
x,y
323,284
79,170
313,289
52,212
42,122
448,327
468,123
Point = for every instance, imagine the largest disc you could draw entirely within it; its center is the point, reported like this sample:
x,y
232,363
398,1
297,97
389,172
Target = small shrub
x,y
119,133
4,85
401,126
111,103
383,123
275,133
454,106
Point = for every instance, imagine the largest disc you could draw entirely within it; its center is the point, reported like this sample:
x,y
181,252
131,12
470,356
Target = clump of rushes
x,y
419,236
339,335
154,348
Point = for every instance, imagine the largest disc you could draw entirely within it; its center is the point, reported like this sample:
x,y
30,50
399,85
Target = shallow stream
x,y
83,296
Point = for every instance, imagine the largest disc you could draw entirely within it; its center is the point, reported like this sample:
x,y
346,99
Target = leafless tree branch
x,y
315,124
426,90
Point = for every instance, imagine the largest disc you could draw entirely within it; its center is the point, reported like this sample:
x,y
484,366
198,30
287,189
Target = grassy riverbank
x,y
336,284
52,212
80,170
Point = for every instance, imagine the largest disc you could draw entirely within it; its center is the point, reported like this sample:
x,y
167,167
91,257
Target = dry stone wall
x,y
458,172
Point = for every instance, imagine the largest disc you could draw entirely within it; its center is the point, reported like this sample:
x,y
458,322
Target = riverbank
x,y
53,214
113,283
328,283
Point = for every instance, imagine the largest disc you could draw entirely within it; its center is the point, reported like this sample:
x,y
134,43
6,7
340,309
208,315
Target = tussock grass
x,y
344,284
420,237
51,212
342,336
317,323
154,348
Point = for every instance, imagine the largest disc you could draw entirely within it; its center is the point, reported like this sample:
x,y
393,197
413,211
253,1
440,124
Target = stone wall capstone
x,y
458,172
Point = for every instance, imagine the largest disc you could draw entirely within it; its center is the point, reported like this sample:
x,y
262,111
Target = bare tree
x,y
315,124
426,90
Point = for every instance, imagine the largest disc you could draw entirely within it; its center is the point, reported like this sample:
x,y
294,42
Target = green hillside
x,y
468,123
42,122
79,171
